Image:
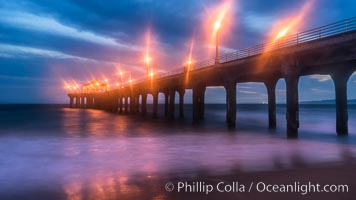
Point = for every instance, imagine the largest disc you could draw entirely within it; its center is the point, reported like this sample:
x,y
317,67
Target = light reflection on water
x,y
90,153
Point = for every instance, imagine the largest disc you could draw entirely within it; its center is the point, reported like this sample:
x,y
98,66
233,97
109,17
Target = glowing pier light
x,y
282,33
189,62
217,26
291,23
148,61
222,13
124,81
187,70
121,73
147,58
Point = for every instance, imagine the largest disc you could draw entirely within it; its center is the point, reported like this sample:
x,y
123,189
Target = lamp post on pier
x,y
217,26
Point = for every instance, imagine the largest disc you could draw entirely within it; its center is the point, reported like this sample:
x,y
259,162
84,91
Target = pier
x,y
328,50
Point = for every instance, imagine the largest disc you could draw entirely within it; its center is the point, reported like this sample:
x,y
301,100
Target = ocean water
x,y
62,153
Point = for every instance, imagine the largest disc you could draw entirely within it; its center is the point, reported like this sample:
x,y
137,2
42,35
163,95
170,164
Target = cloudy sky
x,y
44,43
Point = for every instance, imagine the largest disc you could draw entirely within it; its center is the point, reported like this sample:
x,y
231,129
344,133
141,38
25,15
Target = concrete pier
x,y
333,55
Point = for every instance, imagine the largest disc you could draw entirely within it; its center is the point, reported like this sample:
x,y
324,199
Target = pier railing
x,y
337,28
287,41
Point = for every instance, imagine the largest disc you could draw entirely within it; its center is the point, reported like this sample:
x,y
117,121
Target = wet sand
x,y
337,174
153,186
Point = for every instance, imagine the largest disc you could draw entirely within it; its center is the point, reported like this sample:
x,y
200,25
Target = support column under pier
x,y
137,104
71,100
172,95
77,101
198,103
132,104
120,105
166,103
81,102
292,115
340,81
271,91
88,102
85,102
155,105
115,106
202,102
126,104
95,102
231,104
144,104
291,70
181,103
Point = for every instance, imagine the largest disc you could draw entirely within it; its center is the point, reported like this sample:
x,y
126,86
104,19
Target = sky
x,y
45,44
